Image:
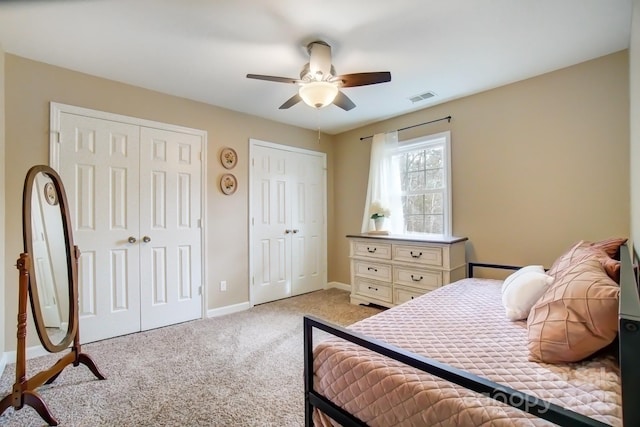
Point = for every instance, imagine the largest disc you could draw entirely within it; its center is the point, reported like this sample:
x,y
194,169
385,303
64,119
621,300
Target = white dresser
x,y
390,270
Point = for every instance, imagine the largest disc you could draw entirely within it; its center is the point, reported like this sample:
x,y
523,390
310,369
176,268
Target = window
x,y
425,175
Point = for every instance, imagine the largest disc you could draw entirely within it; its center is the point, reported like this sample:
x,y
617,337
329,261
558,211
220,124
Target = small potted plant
x,y
379,213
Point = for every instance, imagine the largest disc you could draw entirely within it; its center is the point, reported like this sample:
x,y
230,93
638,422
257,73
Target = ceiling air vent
x,y
422,97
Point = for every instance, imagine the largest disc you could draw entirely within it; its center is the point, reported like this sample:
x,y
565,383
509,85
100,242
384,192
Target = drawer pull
x,y
416,279
372,269
371,251
372,288
414,255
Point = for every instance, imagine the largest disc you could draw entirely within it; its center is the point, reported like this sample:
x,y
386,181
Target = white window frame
x,y
443,138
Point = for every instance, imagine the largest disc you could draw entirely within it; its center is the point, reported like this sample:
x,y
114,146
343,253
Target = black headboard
x,y
629,338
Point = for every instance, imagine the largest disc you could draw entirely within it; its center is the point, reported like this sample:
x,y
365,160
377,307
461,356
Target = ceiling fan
x,y
319,84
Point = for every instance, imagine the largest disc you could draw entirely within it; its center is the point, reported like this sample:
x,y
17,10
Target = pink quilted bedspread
x,y
463,325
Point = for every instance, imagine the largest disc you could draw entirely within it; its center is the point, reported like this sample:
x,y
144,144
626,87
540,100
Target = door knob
x,y
132,239
287,231
295,231
146,239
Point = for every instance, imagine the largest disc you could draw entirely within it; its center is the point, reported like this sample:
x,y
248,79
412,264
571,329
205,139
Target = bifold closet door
x,y
136,199
287,223
170,250
272,231
99,162
307,222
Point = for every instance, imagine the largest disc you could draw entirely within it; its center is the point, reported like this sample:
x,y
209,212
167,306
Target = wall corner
x,y
634,123
4,265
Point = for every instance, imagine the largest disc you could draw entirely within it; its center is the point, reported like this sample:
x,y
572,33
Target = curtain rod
x,y
448,118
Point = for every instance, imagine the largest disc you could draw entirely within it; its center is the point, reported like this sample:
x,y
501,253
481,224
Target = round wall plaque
x,y
228,184
50,194
228,157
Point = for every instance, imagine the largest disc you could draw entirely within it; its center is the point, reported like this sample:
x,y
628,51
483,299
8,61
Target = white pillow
x,y
522,290
523,270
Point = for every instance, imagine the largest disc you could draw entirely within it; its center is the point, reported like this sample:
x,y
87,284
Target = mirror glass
x,y
50,278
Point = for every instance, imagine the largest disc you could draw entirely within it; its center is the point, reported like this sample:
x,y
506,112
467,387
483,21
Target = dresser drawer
x,y
372,250
417,278
372,270
401,295
418,255
372,289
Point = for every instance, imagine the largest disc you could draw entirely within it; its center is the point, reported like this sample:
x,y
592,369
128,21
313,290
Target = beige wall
x,y
30,86
634,95
537,165
4,264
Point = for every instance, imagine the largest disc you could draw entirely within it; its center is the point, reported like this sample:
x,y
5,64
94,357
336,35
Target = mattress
x,y
463,325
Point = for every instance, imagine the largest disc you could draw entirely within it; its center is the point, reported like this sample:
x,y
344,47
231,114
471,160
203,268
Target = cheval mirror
x,y
49,275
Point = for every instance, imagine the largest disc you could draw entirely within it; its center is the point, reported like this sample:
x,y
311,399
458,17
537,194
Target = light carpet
x,y
243,369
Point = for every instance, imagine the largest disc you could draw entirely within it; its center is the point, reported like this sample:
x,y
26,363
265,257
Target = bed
x,y
433,361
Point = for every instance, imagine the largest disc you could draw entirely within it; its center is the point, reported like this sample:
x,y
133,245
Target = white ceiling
x,y
203,49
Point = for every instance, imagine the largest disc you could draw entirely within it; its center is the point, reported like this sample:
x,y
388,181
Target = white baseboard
x,y
235,308
339,285
32,353
229,309
3,362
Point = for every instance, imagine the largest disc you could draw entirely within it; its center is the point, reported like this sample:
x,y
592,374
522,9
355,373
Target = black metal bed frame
x,y
629,352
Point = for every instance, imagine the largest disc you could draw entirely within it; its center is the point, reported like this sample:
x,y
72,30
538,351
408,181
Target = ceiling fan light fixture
x,y
319,85
318,94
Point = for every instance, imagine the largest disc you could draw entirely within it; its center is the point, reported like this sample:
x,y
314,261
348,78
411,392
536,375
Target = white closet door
x,y
307,222
45,221
98,163
170,261
288,234
271,238
126,182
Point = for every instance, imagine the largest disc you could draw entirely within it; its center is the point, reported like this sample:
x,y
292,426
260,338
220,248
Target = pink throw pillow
x,y
586,250
576,316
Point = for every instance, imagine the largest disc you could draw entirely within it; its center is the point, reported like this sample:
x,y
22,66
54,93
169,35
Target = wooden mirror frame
x,y
72,265
24,390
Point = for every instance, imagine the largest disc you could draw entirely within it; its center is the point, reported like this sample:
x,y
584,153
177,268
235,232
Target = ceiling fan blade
x,y
363,79
274,78
319,58
344,102
291,102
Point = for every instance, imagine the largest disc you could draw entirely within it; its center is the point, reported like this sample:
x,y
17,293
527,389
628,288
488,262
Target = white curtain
x,y
384,183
